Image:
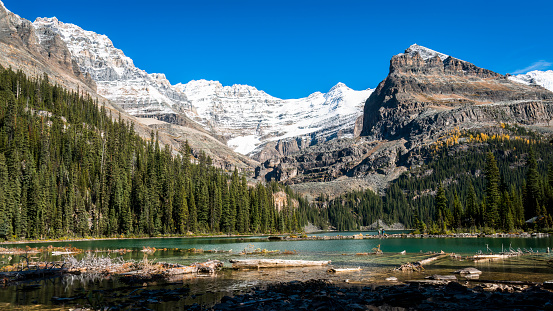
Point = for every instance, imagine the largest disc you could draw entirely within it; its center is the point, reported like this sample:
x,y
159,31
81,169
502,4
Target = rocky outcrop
x,y
425,96
22,48
332,160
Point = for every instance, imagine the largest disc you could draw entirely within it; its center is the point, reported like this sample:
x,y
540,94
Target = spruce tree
x,y
491,216
532,197
5,226
457,211
440,207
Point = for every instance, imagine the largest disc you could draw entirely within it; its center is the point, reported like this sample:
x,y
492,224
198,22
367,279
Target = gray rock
x,y
439,277
468,271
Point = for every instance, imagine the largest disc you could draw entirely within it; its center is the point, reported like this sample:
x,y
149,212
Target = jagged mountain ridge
x,y
137,92
250,117
245,116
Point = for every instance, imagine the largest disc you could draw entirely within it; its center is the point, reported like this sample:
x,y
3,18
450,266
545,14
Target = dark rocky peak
x,y
427,92
414,63
421,60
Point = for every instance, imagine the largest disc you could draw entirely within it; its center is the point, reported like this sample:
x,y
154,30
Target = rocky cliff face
x,y
426,93
37,52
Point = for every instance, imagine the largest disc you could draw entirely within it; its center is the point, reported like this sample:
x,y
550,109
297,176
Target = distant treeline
x,y
496,183
67,168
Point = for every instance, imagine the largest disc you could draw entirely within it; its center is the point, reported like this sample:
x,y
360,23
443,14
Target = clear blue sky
x,y
293,48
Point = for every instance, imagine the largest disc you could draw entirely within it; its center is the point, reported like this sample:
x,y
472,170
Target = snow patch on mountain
x,y
424,52
542,78
244,144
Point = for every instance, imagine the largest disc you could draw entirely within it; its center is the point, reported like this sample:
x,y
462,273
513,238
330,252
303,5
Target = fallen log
x,y
335,270
57,253
529,283
439,277
417,266
431,259
489,257
274,263
210,267
40,272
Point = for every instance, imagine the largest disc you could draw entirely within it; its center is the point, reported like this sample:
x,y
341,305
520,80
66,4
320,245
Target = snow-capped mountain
x,y
245,116
136,91
543,78
249,117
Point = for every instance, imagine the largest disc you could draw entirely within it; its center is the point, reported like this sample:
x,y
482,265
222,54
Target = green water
x,y
342,253
464,246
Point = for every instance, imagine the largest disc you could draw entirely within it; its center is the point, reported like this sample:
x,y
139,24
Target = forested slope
x,y
470,180
67,169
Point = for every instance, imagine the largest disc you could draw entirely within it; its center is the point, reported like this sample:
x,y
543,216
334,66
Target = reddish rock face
x,y
424,96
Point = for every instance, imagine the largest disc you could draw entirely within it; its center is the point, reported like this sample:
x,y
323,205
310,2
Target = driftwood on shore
x,y
418,266
210,267
489,257
336,270
130,271
274,263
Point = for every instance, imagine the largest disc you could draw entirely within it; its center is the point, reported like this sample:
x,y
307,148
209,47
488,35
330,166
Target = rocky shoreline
x,y
324,295
413,236
301,237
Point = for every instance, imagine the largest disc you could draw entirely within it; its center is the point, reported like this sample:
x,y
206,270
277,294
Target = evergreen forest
x,y
68,168
482,183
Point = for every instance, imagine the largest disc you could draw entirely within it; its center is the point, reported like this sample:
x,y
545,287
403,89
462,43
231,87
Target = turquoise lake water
x,y
533,267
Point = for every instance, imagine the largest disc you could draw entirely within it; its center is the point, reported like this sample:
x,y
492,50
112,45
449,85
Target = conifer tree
x,y
472,214
441,206
492,191
532,194
457,211
5,226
